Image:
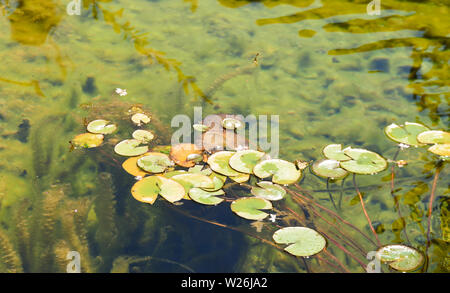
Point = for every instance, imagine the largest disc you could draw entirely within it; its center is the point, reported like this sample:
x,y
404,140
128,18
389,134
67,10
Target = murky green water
x,y
331,72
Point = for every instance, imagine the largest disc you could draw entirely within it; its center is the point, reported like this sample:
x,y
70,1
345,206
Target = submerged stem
x,y
430,203
364,210
331,196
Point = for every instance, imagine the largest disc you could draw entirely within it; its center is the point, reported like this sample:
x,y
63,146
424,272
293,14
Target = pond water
x,y
330,72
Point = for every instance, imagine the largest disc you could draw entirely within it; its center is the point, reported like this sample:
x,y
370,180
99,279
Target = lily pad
x,y
240,178
269,191
170,174
328,169
191,180
283,172
303,241
87,140
130,148
140,118
363,161
434,136
335,152
214,140
165,149
250,207
154,162
143,136
400,257
147,189
232,123
186,154
219,162
101,127
130,165
218,180
206,197
440,149
244,161
406,133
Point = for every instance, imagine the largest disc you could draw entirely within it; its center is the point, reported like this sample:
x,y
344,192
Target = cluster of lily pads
x,y
188,172
416,134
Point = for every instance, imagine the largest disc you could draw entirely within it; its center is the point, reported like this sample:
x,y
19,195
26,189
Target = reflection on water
x,y
332,73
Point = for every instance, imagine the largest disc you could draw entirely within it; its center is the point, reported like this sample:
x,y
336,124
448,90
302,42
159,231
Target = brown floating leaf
x,y
185,154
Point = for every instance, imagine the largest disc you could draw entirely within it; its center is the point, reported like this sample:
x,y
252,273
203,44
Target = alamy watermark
x,y
74,266
74,7
374,7
374,266
254,133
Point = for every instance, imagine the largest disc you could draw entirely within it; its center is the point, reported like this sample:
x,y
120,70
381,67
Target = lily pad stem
x,y
331,196
364,210
430,203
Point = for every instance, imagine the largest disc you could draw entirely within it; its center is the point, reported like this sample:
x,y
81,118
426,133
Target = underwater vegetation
x,y
268,192
88,202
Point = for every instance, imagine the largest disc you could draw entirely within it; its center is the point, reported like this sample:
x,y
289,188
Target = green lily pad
x,y
155,162
147,189
304,241
205,197
250,207
335,152
170,174
240,178
219,162
101,127
200,169
130,148
400,257
363,161
268,190
328,169
87,140
406,133
283,172
191,180
165,149
244,161
440,149
218,180
143,136
231,123
140,118
434,136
